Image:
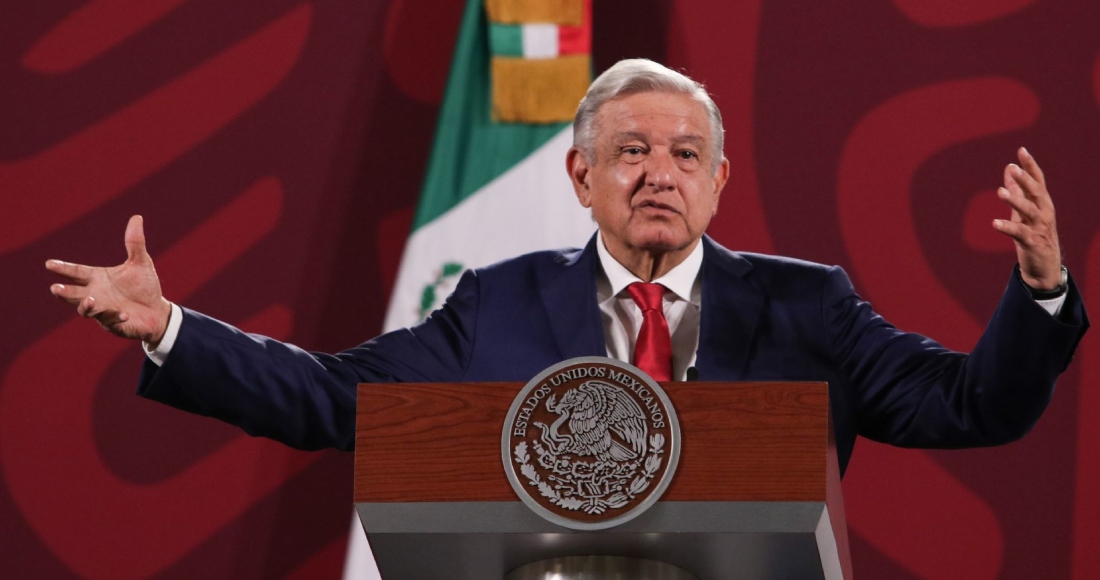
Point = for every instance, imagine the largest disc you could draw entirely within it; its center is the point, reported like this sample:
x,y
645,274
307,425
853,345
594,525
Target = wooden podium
x,y
756,494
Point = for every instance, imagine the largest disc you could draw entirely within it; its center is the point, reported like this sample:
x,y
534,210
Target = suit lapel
x,y
730,312
569,295
731,309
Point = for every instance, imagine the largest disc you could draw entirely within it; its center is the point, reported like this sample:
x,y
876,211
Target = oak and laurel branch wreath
x,y
593,505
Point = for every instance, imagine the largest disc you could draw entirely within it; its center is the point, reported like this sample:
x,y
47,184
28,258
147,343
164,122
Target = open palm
x,y
125,299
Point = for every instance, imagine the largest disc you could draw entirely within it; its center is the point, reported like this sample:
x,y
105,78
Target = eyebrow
x,y
696,139
690,138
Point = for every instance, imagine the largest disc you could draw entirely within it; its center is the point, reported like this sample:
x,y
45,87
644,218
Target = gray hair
x,y
639,75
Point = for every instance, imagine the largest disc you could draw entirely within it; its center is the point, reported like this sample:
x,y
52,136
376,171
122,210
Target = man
x,y
647,159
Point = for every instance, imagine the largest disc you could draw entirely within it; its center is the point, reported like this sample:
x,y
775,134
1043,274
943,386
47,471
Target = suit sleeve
x,y
910,391
305,399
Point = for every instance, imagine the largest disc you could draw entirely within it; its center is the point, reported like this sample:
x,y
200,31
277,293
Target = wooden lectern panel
x,y
427,442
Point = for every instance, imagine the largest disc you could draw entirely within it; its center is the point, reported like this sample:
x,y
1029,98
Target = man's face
x,y
651,186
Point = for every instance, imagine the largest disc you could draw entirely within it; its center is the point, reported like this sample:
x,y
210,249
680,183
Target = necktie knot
x,y
647,295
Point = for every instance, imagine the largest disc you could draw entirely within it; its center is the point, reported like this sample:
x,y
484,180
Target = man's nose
x,y
660,172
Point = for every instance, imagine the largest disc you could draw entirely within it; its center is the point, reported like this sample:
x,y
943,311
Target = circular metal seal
x,y
590,443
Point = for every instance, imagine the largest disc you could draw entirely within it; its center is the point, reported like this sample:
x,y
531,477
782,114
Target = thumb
x,y
135,240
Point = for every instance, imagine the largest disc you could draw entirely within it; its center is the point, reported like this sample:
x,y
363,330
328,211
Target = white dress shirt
x,y
160,354
622,318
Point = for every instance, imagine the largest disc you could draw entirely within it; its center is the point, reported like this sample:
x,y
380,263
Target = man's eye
x,y
632,150
688,155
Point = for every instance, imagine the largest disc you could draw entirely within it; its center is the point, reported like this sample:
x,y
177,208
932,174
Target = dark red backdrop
x,y
276,148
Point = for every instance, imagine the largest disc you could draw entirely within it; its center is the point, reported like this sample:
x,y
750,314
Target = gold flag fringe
x,y
539,90
567,12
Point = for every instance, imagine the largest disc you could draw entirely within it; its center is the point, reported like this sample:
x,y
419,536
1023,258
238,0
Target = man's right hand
x,y
125,299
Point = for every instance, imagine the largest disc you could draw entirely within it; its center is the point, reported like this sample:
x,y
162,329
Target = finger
x,y
87,307
135,240
71,294
1015,230
1010,182
113,321
1030,165
1035,176
1025,209
76,273
1025,236
1017,182
1031,188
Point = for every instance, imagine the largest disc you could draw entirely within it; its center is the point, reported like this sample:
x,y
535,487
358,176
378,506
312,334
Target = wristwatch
x,y
1051,294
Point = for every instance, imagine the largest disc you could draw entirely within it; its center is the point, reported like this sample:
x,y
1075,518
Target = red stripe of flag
x,y
577,39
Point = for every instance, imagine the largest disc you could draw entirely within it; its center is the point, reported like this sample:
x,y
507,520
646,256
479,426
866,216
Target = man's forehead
x,y
639,115
654,102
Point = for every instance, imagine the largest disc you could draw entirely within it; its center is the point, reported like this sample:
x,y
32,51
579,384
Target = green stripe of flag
x,y
506,39
470,150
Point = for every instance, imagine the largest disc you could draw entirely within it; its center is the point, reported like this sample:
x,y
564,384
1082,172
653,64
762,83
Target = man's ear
x,y
577,165
721,176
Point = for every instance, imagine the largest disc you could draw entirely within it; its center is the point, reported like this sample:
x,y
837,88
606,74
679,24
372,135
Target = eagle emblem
x,y
604,422
587,442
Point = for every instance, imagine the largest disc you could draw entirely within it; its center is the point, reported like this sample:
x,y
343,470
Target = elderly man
x,y
647,159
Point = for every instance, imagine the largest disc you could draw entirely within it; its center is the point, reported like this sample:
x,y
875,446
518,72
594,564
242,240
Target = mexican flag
x,y
496,185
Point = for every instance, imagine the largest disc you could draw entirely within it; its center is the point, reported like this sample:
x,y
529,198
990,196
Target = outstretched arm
x,y
923,395
267,387
125,299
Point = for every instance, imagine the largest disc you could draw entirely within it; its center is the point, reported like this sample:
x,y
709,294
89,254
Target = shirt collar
x,y
678,280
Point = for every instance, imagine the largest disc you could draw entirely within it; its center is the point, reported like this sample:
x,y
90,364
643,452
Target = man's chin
x,y
663,242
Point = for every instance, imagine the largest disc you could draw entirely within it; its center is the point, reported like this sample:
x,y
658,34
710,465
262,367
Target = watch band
x,y
1051,294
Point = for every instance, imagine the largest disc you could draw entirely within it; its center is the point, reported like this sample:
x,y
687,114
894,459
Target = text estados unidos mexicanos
x,y
649,400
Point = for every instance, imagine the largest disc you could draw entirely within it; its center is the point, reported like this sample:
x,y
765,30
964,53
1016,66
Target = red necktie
x,y
653,351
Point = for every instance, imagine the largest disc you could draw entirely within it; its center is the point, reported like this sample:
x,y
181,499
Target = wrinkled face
x,y
650,186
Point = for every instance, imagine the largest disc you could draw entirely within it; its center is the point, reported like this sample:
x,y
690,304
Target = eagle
x,y
604,422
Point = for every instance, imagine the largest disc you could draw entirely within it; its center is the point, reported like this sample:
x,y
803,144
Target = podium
x,y
756,495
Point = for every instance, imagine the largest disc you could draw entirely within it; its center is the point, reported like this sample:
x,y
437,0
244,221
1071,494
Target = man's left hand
x,y
1032,226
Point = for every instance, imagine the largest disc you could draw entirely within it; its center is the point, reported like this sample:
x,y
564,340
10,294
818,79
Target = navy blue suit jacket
x,y
763,317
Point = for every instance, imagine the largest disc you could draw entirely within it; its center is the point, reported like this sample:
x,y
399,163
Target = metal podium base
x,y
766,540
598,568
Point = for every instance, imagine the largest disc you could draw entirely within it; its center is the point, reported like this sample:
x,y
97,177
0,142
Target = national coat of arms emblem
x,y
590,443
